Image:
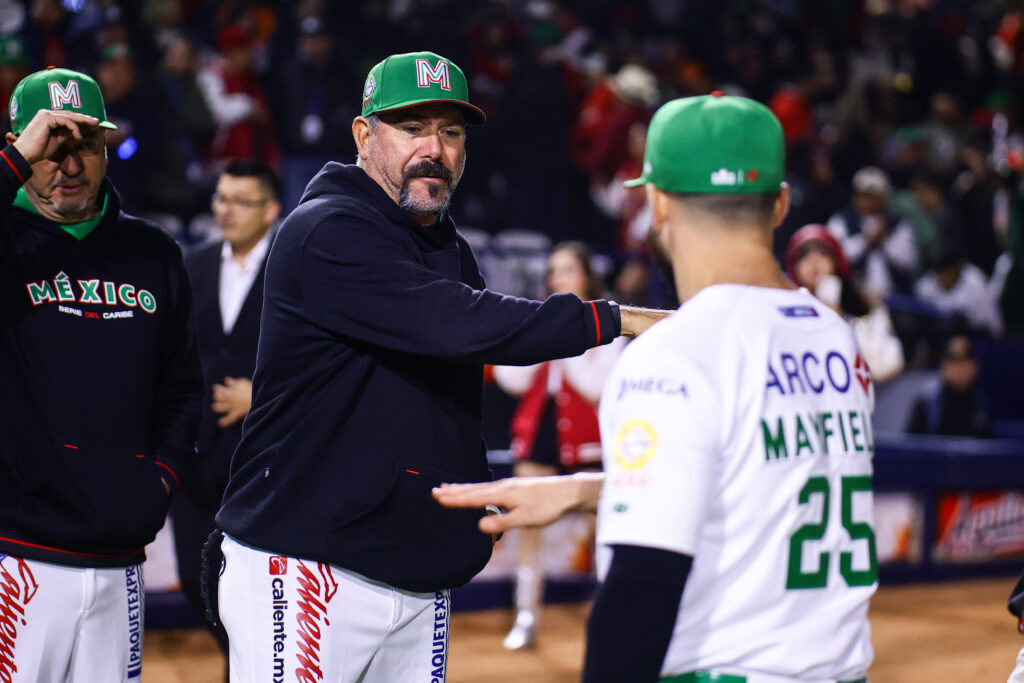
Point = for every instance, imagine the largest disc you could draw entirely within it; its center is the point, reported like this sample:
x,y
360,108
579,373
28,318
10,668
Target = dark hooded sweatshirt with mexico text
x,y
99,378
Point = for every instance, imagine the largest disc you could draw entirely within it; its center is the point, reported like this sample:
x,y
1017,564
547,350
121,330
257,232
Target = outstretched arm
x,y
528,501
636,321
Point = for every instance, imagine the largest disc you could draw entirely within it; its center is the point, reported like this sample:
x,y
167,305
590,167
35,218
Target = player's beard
x,y
439,198
663,263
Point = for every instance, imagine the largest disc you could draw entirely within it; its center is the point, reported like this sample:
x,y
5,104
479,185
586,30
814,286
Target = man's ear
x,y
781,207
659,202
361,133
271,211
11,137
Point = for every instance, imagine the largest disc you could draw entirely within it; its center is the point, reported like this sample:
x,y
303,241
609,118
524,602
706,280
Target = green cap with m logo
x,y
414,78
57,90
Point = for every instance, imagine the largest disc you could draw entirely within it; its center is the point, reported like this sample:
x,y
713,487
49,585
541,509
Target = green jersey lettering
x,y
774,445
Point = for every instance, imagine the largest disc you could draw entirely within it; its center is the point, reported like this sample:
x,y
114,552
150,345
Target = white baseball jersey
x,y
738,431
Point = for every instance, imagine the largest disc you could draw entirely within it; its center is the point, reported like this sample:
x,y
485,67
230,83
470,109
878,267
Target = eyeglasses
x,y
220,200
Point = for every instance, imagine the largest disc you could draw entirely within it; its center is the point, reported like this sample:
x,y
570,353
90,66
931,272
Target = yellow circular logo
x,y
635,444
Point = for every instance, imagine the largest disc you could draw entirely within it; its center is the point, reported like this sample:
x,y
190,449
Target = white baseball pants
x,y
1017,675
68,624
290,619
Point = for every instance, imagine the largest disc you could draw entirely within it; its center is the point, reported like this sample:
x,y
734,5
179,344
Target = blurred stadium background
x,y
925,93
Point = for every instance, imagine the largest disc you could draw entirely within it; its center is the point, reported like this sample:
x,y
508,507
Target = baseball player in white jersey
x,y
736,505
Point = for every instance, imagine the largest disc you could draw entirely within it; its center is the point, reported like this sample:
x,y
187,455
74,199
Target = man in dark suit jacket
x,y
227,277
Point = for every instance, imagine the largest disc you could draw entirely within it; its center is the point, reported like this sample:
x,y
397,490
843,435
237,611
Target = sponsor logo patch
x,y
863,373
799,311
651,385
725,177
635,444
278,565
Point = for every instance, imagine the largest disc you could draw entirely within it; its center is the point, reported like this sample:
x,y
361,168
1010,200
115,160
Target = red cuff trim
x,y
597,320
13,167
177,484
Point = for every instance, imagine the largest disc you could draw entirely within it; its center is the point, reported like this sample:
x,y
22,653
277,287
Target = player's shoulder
x,y
732,309
722,319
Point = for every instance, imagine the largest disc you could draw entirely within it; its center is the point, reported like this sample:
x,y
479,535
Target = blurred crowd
x,y
902,120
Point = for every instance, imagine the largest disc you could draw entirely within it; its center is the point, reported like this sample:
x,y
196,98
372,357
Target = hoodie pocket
x,y
98,500
409,541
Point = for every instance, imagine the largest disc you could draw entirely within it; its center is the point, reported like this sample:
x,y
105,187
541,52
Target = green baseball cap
x,y
406,80
56,89
714,144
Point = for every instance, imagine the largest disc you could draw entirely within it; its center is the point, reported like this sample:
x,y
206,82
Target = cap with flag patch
x,y
414,78
58,90
714,144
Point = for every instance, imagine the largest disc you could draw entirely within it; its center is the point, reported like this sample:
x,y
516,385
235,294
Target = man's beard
x,y
663,263
439,198
67,206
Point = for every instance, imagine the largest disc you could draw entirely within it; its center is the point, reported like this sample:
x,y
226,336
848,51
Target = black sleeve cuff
x,y
14,166
603,321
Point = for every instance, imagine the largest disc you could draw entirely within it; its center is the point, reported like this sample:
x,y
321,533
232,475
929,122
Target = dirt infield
x,y
934,633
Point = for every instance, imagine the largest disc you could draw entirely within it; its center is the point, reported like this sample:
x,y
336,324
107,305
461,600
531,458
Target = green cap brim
x,y
472,114
636,182
107,124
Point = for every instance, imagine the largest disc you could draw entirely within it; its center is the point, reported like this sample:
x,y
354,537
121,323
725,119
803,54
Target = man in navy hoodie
x,y
376,325
100,383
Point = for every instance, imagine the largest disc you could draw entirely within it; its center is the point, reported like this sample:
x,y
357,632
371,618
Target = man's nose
x,y
430,146
71,164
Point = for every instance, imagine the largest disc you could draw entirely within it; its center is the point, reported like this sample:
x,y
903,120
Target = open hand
x,y
48,130
528,501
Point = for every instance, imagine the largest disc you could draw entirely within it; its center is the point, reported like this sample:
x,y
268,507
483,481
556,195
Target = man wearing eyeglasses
x,y
227,277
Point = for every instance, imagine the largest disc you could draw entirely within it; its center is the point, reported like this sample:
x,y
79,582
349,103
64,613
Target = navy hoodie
x,y
100,382
368,387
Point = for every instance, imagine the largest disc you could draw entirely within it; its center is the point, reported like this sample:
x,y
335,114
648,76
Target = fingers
x,y
48,130
230,418
72,121
470,495
494,524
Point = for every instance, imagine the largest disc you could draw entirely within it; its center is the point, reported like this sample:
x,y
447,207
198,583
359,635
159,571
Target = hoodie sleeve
x,y
14,171
180,392
358,283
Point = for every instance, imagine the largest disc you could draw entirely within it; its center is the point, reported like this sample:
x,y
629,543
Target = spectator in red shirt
x,y
238,102
600,137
